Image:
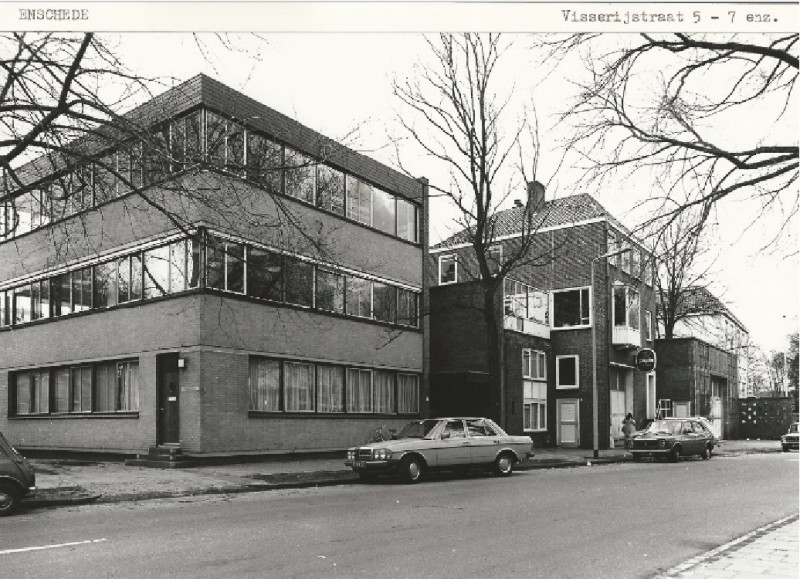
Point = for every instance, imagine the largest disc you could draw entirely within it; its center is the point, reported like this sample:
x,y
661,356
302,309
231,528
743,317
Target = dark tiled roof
x,y
698,300
557,212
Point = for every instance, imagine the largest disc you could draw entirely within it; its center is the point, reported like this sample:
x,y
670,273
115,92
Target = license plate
x,y
359,464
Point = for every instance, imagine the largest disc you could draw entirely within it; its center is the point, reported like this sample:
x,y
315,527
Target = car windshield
x,y
417,429
793,427
665,426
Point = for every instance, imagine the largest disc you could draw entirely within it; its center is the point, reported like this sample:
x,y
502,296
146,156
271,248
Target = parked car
x,y
791,439
441,443
17,478
673,438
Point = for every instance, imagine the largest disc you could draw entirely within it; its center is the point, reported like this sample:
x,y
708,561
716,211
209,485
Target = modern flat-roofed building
x,y
229,282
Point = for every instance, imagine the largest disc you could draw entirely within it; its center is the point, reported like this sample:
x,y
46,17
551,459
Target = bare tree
x,y
709,116
679,251
460,118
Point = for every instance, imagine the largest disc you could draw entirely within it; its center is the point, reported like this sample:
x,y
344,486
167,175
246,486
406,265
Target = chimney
x,y
535,195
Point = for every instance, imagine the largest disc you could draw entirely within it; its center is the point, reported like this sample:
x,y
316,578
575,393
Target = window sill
x,y
560,328
534,430
77,415
566,387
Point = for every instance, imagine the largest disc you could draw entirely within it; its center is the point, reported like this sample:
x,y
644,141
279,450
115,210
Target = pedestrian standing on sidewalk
x,y
628,428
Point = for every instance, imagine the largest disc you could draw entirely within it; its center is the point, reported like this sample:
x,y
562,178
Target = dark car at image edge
x,y
17,478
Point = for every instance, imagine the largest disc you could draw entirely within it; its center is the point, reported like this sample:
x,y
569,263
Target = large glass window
x,y
156,272
571,308
534,405
299,386
265,162
5,308
299,282
330,189
264,274
407,393
534,364
265,385
330,291
626,307
359,390
407,308
383,391
330,388
82,289
566,371
105,284
22,304
62,389
40,299
448,269
216,128
359,200
407,220
384,212
384,302
82,389
300,174
225,265
234,149
359,297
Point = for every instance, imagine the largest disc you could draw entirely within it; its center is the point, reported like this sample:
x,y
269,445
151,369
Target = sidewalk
x,y
76,481
771,551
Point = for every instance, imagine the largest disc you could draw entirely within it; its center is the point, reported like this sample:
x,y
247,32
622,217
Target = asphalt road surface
x,y
624,520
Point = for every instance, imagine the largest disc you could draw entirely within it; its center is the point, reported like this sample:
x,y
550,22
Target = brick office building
x,y
243,285
546,338
699,379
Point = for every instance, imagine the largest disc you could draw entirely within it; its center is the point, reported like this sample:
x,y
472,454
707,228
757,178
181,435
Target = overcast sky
x,y
336,83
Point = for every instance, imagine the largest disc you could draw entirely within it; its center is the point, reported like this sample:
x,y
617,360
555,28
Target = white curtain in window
x,y
128,386
359,390
330,389
265,385
407,393
62,390
23,393
105,387
299,386
383,391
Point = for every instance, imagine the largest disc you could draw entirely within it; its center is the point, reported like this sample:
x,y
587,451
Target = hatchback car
x,y
441,443
673,438
17,478
791,439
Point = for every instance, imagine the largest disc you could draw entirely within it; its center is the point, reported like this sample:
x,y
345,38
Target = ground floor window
x,y
291,386
534,405
86,388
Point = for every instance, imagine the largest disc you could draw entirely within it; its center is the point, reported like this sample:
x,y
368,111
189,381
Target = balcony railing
x,y
626,337
526,309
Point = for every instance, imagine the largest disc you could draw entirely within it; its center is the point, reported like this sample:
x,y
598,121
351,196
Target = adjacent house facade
x,y
558,327
233,283
697,378
705,317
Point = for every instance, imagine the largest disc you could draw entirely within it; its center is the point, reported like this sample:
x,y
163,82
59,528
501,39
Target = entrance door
x,y
620,400
168,430
568,421
651,395
719,387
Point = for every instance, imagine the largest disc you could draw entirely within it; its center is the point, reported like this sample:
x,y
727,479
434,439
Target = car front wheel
x,y
675,453
785,448
707,452
9,499
411,469
504,465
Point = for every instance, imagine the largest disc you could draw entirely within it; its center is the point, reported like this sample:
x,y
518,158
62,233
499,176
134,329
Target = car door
x,y
483,441
453,448
694,437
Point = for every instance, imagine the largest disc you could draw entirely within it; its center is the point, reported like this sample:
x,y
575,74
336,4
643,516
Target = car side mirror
x,y
445,435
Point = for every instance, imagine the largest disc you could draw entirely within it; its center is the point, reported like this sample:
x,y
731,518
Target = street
x,y
622,520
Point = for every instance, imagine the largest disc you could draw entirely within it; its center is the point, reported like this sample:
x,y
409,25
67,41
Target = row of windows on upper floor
x,y
634,262
213,263
203,136
571,308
